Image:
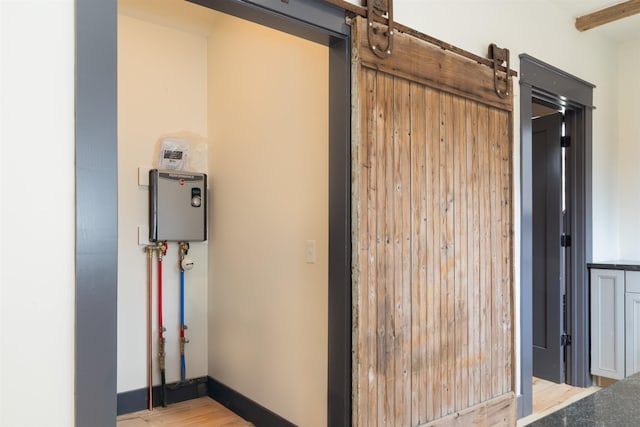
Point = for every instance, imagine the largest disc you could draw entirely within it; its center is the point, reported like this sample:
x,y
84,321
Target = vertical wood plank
x,y
384,270
496,253
419,223
460,251
402,234
457,257
507,238
435,331
473,260
485,255
358,126
362,284
368,230
447,271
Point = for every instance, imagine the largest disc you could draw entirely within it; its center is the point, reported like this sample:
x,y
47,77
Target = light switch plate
x,y
311,252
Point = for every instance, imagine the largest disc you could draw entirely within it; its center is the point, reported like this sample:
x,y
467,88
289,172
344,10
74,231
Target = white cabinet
x,y
607,323
632,322
615,323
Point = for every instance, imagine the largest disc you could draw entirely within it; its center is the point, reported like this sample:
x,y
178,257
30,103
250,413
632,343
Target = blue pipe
x,y
183,365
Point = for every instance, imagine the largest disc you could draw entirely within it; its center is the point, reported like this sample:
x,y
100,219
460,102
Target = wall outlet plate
x,y
143,176
143,235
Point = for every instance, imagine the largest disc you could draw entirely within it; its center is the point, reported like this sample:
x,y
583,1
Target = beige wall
x,y
262,96
268,121
162,88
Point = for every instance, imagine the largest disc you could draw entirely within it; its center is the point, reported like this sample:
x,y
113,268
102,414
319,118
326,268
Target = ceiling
x,y
618,31
173,11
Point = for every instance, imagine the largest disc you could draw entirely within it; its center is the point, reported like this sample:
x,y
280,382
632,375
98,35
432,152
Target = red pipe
x,y
160,324
149,320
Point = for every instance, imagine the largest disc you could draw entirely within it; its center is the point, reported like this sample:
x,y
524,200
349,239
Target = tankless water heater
x,y
177,206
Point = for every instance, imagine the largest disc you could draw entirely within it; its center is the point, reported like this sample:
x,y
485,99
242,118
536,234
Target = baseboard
x,y
137,400
245,407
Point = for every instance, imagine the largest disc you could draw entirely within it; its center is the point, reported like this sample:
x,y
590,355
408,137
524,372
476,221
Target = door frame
x,y
97,201
539,80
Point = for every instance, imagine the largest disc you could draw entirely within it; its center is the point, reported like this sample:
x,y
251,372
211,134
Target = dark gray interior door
x,y
547,217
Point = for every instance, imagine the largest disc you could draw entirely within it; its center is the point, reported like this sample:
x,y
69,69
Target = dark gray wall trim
x,y
539,80
525,401
339,297
302,18
245,407
536,73
96,212
579,254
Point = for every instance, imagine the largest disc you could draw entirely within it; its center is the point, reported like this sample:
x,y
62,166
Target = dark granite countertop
x,y
620,264
617,405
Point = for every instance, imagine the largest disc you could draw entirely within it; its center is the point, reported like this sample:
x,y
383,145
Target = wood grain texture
x,y
433,242
497,412
549,397
202,412
415,60
608,14
351,8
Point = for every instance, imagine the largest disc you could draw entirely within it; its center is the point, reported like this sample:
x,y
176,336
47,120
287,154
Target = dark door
x,y
547,271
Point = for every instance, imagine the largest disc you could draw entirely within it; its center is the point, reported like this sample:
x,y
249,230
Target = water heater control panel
x,y
177,206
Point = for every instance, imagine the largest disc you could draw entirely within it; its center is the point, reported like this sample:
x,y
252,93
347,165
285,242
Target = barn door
x,y
432,200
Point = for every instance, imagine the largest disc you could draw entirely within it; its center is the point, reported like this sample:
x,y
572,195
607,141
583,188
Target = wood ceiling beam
x,y
608,14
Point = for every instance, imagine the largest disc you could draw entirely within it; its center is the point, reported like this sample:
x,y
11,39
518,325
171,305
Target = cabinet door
x,y
632,336
607,323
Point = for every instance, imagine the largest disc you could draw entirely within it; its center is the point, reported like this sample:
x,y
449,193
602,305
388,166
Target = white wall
x,y
628,90
37,277
269,173
162,88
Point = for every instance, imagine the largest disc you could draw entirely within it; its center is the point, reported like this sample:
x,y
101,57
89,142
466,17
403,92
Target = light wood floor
x,y
548,397
202,412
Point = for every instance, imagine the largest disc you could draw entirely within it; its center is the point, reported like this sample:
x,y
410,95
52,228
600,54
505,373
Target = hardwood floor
x,y
202,412
548,397
206,412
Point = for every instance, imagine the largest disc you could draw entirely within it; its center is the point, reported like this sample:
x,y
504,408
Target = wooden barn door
x,y
433,240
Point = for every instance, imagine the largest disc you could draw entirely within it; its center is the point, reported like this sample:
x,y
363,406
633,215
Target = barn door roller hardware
x,y
500,56
380,8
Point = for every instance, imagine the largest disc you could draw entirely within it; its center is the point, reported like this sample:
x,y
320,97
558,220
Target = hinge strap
x,y
500,56
380,8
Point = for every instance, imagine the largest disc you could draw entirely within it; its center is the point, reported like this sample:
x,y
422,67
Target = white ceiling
x,y
617,31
